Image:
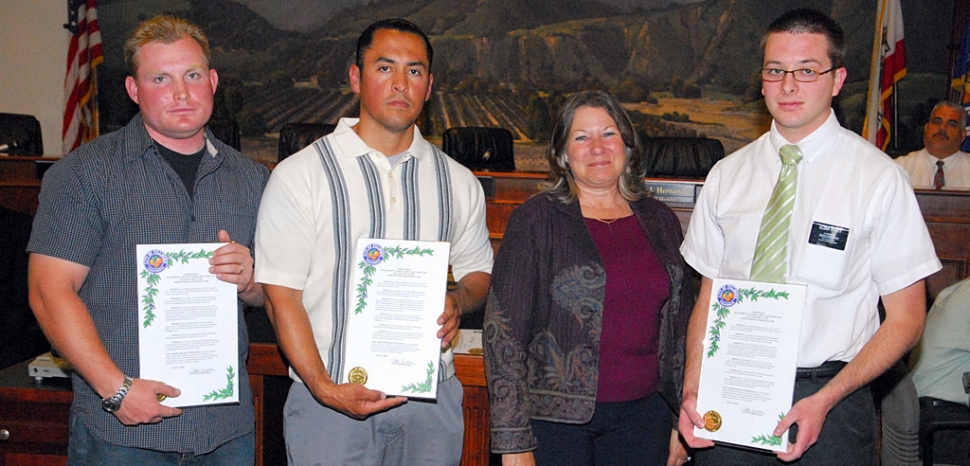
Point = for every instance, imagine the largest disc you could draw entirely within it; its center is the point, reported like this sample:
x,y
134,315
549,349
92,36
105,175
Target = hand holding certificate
x,y
749,361
400,289
188,335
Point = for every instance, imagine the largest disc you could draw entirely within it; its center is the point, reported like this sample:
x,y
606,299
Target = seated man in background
x,y
941,164
938,363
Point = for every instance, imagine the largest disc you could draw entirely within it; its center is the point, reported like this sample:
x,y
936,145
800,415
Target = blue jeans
x,y
87,450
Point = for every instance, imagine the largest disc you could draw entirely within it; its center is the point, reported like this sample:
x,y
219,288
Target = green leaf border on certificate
x,y
769,440
148,299
421,387
369,270
225,393
722,313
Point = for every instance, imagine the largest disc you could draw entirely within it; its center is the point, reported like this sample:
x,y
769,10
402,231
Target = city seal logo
x,y
712,421
373,254
357,375
727,296
155,261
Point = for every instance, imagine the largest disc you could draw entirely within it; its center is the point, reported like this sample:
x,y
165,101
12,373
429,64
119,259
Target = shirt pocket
x,y
825,255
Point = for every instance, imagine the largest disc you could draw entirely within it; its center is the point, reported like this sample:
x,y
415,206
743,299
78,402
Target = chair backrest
x,y
20,336
22,131
480,148
296,136
681,157
227,131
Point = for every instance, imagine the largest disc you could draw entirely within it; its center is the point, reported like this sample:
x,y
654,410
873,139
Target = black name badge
x,y
829,236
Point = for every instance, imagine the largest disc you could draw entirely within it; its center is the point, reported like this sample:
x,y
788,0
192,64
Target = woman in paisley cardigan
x,y
587,315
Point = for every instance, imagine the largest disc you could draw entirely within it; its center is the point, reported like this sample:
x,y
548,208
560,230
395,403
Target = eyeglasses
x,y
804,75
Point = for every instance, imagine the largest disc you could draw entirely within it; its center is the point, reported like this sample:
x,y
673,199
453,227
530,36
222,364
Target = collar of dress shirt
x,y
812,146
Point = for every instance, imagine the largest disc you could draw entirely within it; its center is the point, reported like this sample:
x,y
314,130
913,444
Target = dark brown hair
x,y
561,182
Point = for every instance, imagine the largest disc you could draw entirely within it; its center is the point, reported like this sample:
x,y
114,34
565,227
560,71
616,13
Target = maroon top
x,y
636,288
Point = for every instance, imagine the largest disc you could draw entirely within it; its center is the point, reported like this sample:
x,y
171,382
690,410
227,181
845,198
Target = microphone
x,y
6,147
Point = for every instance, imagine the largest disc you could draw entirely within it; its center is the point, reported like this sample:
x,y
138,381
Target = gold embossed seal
x,y
358,375
712,421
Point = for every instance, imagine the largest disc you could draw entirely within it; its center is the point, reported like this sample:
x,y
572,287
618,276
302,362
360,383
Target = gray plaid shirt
x,y
98,203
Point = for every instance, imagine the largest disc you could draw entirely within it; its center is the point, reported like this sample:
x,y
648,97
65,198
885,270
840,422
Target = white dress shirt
x,y
843,181
921,166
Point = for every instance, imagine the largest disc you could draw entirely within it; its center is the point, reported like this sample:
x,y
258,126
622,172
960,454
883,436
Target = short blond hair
x,y
164,29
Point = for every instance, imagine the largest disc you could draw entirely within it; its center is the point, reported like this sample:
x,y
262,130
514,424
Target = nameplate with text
x,y
674,193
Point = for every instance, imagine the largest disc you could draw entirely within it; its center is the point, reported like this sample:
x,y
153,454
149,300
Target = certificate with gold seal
x,y
749,362
187,324
398,293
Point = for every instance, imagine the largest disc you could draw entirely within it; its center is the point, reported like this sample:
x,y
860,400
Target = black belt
x,y
825,371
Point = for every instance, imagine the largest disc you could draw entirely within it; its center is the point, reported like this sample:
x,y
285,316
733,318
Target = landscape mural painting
x,y
683,68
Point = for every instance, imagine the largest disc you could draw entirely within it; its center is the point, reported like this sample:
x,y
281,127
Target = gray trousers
x,y
416,433
896,395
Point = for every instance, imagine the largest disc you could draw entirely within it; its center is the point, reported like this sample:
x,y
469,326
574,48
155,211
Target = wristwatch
x,y
113,403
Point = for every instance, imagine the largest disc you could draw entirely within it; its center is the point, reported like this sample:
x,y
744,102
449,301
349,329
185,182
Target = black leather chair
x,y
20,336
227,131
480,148
296,136
21,133
938,416
681,157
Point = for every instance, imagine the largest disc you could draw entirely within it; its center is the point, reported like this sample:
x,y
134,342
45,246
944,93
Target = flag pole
x,y
895,117
870,126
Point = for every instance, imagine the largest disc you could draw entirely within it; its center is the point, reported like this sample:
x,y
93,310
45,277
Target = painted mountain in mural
x,y
536,42
494,57
547,44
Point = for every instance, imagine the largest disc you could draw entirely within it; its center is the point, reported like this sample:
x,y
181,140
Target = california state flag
x,y
888,67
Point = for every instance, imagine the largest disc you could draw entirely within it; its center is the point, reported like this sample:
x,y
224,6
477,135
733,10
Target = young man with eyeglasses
x,y
874,244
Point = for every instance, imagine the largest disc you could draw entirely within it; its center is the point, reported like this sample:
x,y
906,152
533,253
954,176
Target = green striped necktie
x,y
771,253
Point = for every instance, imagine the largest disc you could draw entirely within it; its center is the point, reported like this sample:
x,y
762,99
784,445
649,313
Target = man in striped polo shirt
x,y
373,177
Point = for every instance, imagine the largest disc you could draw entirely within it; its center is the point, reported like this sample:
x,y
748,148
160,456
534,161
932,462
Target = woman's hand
x,y
678,451
519,459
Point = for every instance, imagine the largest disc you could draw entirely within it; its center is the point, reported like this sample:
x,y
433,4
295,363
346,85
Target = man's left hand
x,y
449,321
232,263
809,414
468,296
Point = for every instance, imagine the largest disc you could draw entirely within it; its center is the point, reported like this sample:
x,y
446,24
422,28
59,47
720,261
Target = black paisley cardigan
x,y
543,317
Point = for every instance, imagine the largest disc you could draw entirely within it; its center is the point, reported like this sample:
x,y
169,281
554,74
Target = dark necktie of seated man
x,y
939,180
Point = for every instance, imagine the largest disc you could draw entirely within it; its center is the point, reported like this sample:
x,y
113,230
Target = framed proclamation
x,y
187,326
392,330
748,369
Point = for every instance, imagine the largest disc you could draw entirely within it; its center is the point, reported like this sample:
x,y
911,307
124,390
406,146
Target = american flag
x,y
80,82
